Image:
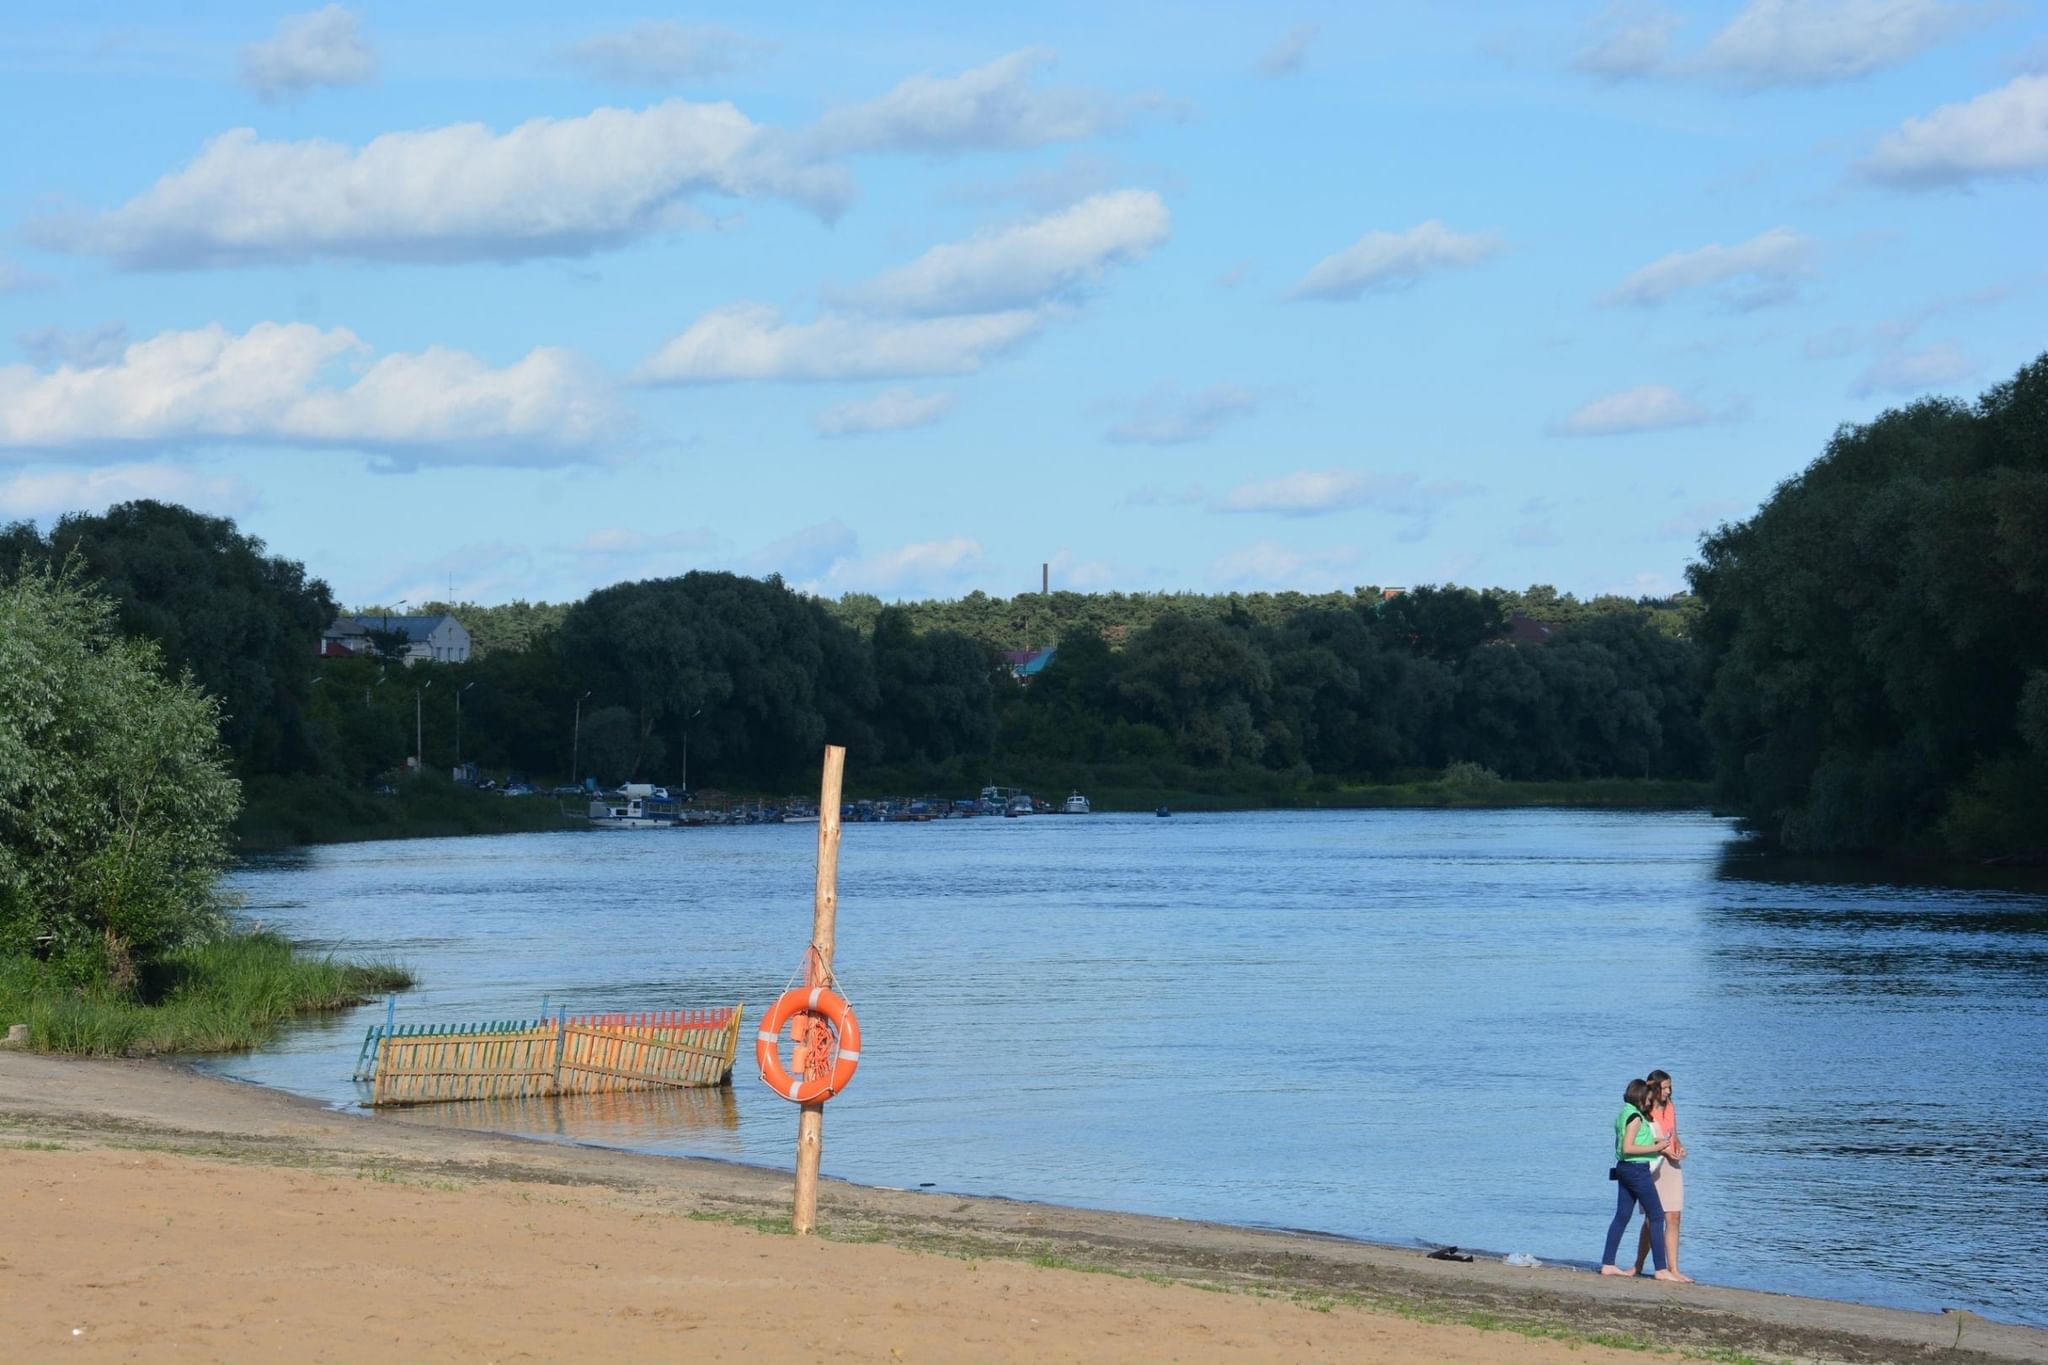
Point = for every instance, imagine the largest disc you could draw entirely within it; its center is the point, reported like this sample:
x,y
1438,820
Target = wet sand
x,y
151,1213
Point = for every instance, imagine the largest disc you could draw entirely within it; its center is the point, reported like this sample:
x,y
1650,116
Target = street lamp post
x,y
458,721
419,753
686,745
576,741
384,644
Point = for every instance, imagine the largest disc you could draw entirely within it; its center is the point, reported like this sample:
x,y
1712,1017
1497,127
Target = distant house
x,y
441,638
1524,629
1026,664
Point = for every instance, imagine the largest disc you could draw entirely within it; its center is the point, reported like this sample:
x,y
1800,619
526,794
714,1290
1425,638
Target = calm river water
x,y
1401,1026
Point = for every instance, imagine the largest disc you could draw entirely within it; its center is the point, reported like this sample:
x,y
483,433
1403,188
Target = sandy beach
x,y
151,1213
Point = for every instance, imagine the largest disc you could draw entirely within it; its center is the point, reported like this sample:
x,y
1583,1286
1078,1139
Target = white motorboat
x,y
1076,804
629,813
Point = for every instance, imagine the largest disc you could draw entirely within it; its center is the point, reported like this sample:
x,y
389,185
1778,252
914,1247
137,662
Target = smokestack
x,y
1045,579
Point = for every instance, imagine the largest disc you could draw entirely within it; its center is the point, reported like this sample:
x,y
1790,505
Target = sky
x,y
507,300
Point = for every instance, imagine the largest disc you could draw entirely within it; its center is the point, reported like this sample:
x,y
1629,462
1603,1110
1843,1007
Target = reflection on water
x,y
1401,1025
700,1120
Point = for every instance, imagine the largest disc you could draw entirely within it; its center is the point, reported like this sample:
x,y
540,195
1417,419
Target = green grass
x,y
228,995
279,812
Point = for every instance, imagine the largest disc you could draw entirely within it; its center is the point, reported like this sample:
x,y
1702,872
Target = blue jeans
x,y
1634,1185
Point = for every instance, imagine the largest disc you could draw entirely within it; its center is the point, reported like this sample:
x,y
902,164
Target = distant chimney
x,y
1044,579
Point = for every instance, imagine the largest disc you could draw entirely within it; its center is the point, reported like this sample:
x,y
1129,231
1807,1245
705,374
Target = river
x,y
1405,1026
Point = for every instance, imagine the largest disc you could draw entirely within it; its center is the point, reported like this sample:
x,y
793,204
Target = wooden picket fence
x,y
563,1055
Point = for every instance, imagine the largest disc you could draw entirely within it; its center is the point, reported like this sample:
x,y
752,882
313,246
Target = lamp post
x,y
458,721
419,753
686,745
576,741
384,644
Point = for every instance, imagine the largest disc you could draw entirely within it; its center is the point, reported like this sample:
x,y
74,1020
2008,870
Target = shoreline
x,y
94,1110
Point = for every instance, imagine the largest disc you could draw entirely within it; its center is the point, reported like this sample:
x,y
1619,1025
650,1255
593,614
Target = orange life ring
x,y
767,1043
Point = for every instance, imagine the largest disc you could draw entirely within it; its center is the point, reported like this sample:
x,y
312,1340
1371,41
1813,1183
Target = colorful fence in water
x,y
563,1055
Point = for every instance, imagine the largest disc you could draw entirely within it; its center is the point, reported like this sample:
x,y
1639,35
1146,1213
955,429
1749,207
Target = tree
x,y
1872,633
115,795
245,623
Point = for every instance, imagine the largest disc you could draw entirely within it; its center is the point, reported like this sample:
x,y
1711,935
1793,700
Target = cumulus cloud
x,y
826,559
1394,260
995,106
1769,267
1820,42
52,492
324,47
1024,264
1285,57
1167,416
1916,371
293,383
662,52
549,187
1271,566
753,341
48,347
1647,407
889,410
1629,39
2001,132
15,280
1317,493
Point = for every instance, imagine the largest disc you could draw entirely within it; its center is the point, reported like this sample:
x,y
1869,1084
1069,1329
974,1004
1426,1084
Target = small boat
x,y
1076,804
631,813
1162,812
1019,805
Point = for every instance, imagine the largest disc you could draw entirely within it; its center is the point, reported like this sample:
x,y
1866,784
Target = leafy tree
x,y
115,797
1873,632
245,623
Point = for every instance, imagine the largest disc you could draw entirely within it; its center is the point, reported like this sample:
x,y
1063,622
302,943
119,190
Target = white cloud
x,y
1166,416
1394,260
1285,57
992,106
1269,565
1022,265
1070,573
292,383
1699,517
49,347
1316,493
752,341
1648,407
929,568
323,47
889,410
662,52
805,556
1771,264
549,187
1902,371
2001,132
1819,42
1628,39
52,492
15,280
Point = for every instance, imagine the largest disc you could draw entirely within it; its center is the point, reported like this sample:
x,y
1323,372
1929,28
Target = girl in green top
x,y
1636,1146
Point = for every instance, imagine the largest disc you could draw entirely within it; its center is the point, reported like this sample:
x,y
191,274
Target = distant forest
x,y
1862,665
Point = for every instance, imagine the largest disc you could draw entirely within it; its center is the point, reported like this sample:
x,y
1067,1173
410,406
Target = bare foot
x,y
1612,1270
1673,1276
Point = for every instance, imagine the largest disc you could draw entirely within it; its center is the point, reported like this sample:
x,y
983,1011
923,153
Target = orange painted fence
x,y
565,1055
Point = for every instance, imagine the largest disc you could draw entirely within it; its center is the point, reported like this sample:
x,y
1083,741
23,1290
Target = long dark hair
x,y
1656,1080
1637,1096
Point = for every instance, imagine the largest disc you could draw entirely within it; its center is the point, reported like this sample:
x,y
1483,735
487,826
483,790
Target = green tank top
x,y
1629,1111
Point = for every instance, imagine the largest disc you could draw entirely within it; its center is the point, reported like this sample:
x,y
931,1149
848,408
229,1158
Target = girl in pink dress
x,y
1670,1179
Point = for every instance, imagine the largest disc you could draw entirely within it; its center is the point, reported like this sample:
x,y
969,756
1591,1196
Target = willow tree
x,y
115,793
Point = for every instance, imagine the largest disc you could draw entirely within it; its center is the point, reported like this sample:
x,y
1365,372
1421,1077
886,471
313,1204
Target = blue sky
x,y
908,300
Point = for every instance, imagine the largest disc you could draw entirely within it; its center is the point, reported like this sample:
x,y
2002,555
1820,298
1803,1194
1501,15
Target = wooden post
x,y
810,1123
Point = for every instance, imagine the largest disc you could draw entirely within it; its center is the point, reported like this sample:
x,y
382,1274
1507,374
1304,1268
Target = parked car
x,y
567,789
518,789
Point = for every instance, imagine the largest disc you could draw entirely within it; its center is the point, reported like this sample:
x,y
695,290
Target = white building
x,y
440,638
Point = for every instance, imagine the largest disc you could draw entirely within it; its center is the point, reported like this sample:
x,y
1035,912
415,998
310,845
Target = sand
x,y
150,1213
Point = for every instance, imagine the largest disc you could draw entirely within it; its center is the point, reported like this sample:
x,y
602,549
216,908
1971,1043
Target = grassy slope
x,y
224,996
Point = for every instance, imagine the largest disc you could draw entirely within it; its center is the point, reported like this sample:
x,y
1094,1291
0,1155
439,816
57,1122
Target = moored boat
x,y
1076,804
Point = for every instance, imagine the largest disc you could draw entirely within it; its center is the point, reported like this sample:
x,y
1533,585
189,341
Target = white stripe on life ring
x,y
794,1086
764,1036
849,1056
816,991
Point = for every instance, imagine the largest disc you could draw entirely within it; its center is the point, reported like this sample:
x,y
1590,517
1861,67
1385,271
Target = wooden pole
x,y
810,1123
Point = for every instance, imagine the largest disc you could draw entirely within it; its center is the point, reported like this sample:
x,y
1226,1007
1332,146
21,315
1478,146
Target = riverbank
x,y
182,1217
279,812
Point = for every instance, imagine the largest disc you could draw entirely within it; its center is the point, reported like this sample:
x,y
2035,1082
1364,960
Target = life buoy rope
x,y
832,1007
